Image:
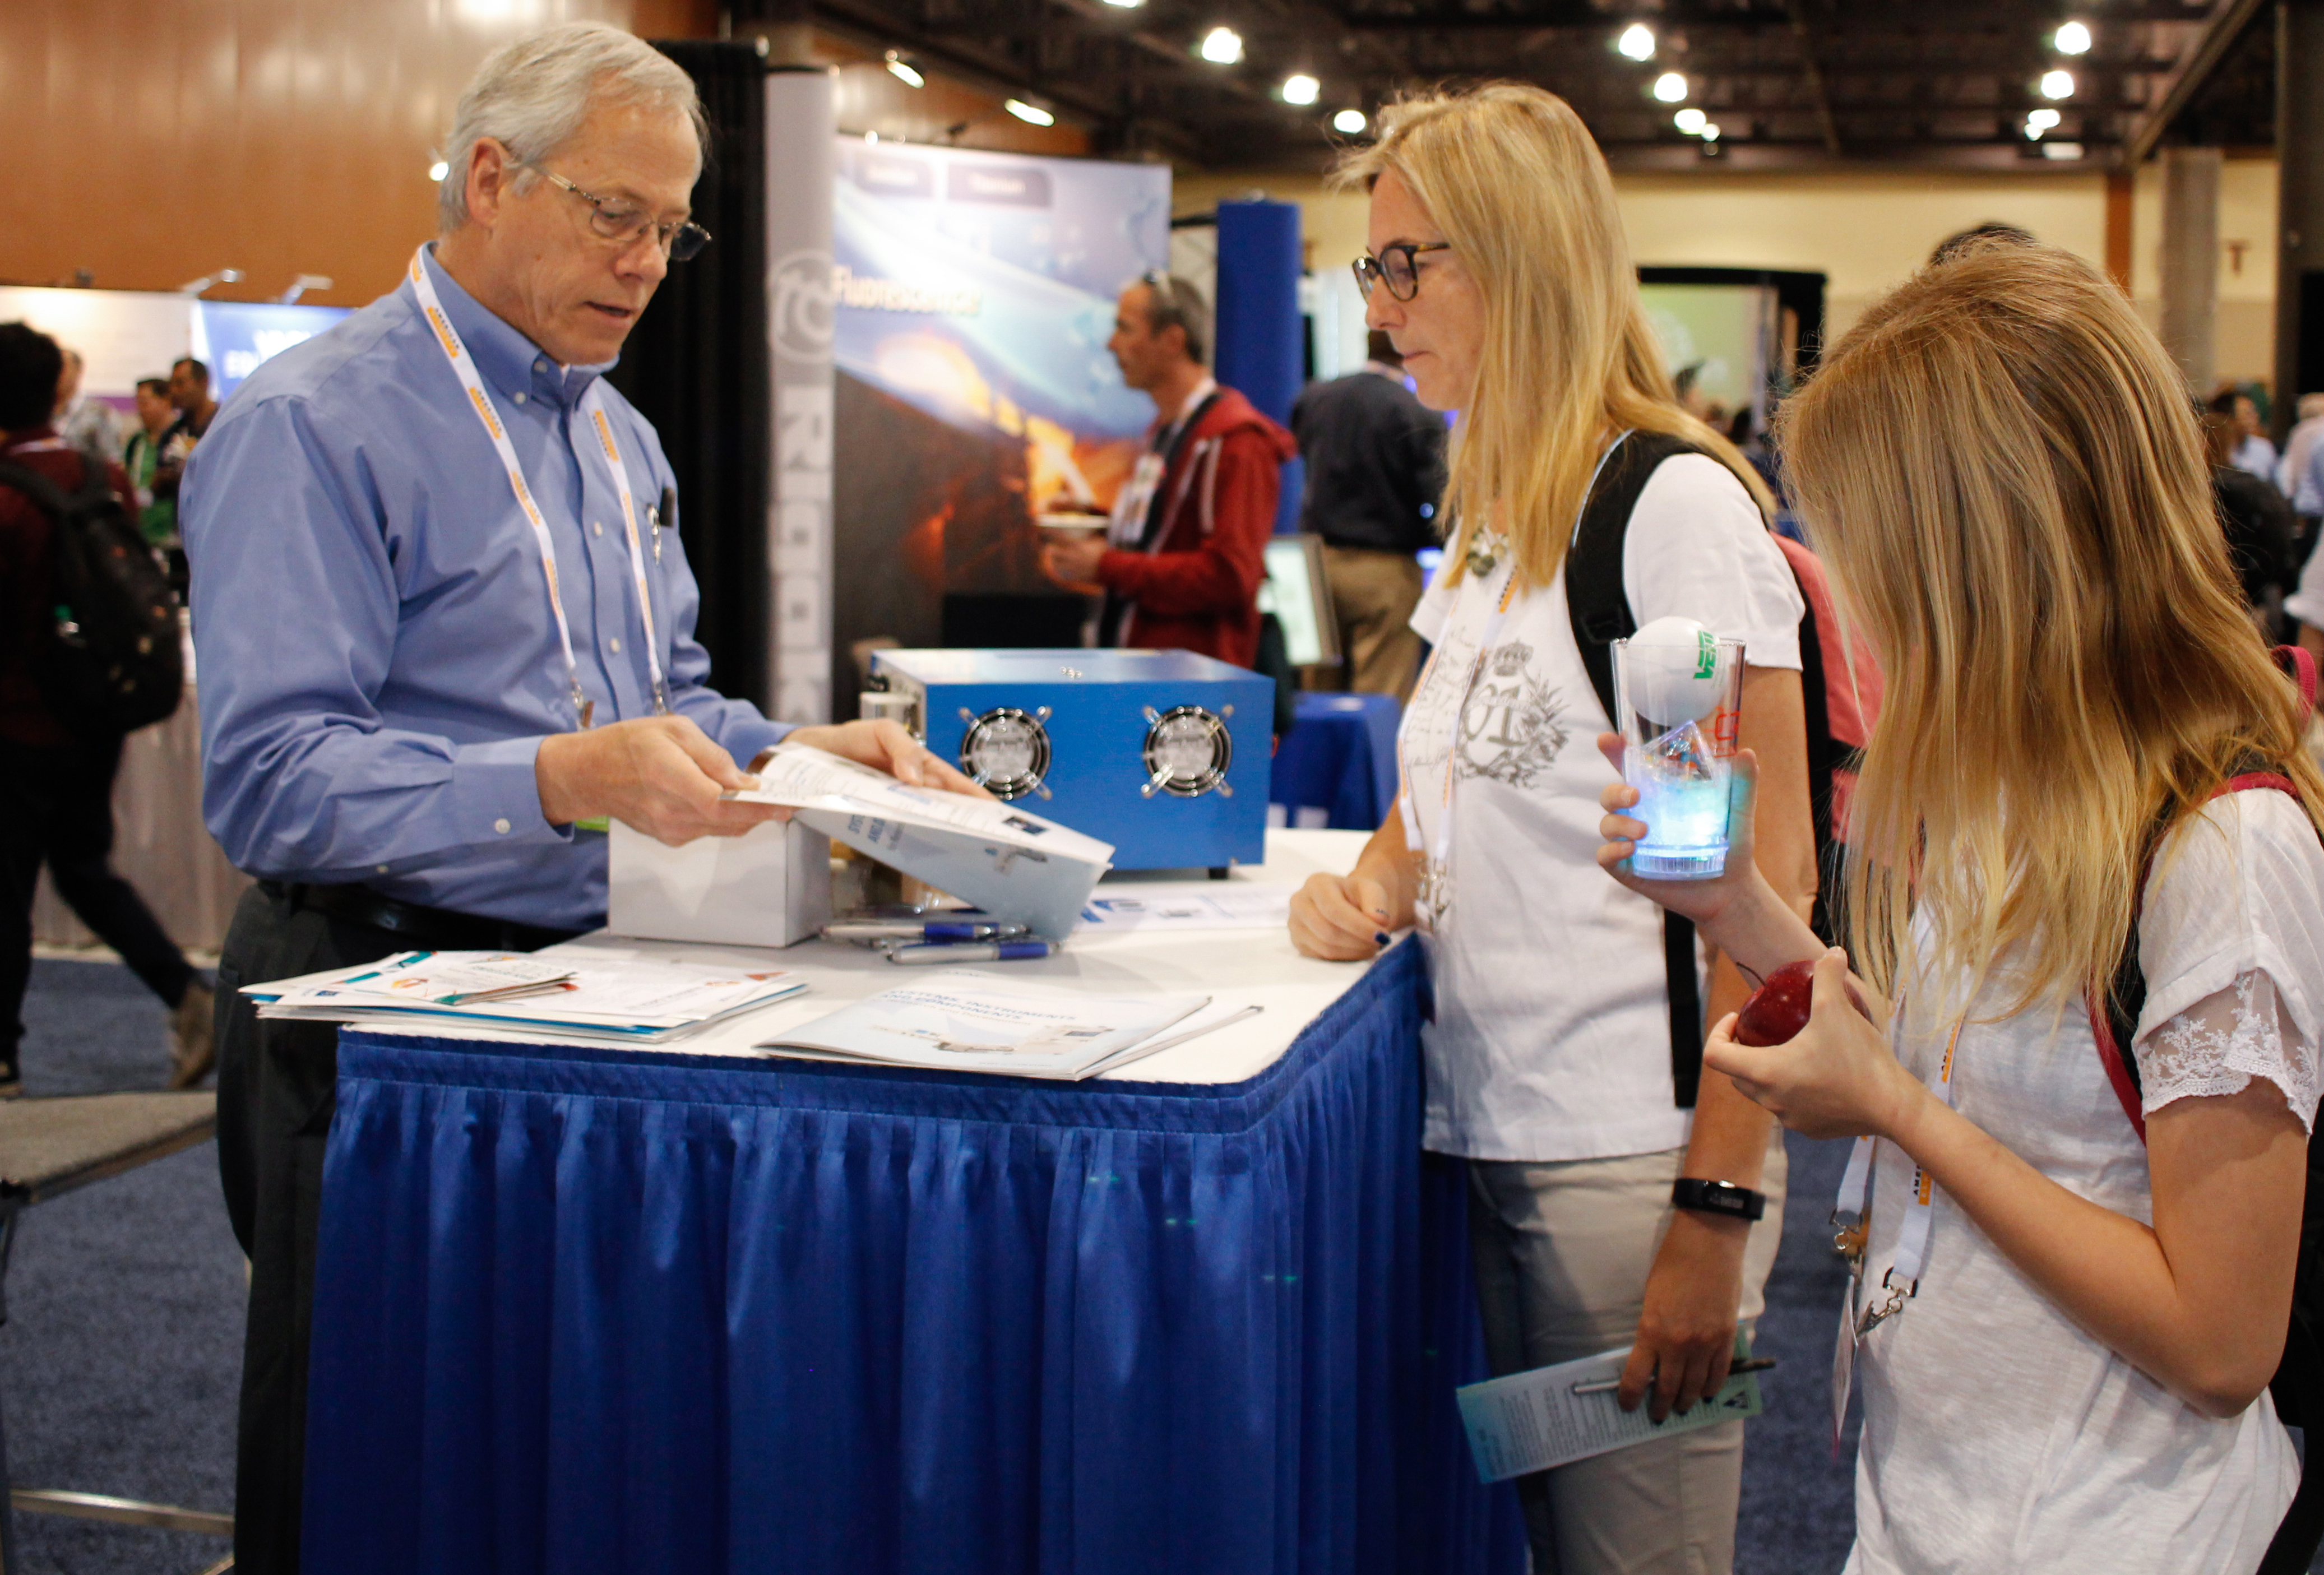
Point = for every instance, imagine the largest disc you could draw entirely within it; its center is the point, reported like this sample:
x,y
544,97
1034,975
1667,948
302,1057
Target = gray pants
x,y
1561,1252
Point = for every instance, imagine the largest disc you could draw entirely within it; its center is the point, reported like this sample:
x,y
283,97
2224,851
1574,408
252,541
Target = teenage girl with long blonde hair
x,y
1498,267
2064,1339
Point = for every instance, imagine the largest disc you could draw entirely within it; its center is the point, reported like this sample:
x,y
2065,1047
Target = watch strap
x,y
1724,1198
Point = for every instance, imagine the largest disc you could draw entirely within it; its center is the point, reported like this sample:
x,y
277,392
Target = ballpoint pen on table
x,y
973,952
918,929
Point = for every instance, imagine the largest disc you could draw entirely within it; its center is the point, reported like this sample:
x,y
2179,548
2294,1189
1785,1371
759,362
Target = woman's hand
x,y
1686,1332
1341,918
1837,1078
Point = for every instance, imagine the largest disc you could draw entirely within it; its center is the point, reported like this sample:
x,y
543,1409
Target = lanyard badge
x,y
1851,1220
593,408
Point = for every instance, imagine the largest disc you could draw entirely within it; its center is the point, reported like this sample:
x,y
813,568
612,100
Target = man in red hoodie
x,y
1180,565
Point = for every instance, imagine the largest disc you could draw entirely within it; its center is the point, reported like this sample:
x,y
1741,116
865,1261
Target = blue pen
x,y
974,952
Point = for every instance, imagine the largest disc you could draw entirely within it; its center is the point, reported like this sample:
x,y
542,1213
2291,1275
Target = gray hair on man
x,y
532,96
1174,300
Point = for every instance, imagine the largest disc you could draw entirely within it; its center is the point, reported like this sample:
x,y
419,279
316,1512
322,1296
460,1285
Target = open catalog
x,y
631,1001
1014,865
981,1022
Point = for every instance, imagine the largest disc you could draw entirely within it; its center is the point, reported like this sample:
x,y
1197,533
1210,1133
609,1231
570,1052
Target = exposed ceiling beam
x,y
1822,100
2221,28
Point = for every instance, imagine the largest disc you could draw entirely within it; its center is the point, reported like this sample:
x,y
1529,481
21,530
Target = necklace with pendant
x,y
1485,549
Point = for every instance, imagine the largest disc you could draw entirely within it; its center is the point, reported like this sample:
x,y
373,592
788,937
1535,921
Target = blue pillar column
x,y
1259,328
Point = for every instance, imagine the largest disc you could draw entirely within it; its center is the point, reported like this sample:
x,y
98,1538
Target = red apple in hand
x,y
1778,1009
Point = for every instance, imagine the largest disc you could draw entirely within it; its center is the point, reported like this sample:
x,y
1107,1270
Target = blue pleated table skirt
x,y
618,1312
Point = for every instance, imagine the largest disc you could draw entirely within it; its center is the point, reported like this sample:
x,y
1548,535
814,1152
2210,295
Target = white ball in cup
x,y
1664,672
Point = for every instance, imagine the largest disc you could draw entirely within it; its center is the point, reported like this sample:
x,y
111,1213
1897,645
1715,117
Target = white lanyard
x,y
593,405
1852,1217
1439,859
1132,503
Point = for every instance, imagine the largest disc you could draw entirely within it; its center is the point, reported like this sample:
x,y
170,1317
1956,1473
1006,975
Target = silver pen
x,y
973,952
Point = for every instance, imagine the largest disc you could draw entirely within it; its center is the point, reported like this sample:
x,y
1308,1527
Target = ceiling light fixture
x,y
1691,121
1671,87
1637,42
904,71
2073,39
1127,4
1711,132
1030,114
1222,46
1300,88
2057,84
2042,118
438,170
1350,121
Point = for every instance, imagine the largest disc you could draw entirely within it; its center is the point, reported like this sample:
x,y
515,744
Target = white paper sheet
x,y
1547,1416
973,1021
1187,905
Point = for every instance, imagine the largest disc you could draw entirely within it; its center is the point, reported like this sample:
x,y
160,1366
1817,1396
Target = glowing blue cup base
x,y
1679,864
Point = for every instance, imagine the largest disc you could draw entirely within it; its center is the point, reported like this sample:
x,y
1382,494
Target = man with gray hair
x,y
445,632
1180,564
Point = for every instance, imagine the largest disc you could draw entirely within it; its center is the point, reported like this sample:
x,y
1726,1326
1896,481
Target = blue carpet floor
x,y
123,1351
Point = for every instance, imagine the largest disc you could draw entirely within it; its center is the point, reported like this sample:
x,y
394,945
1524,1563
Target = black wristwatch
x,y
1718,1197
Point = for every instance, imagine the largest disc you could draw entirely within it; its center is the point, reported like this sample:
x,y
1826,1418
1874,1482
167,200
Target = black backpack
x,y
111,662
2297,1387
1837,725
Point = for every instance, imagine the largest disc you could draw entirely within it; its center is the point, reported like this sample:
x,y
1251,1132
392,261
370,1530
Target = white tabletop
x,y
1234,967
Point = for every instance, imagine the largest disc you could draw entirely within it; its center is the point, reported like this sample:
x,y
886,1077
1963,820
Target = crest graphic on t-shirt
x,y
1510,726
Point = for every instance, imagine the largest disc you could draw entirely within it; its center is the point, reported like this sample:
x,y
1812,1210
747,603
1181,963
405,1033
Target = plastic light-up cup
x,y
1679,690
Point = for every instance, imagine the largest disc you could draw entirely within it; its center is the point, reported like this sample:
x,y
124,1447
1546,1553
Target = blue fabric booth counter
x,y
621,1311
1340,757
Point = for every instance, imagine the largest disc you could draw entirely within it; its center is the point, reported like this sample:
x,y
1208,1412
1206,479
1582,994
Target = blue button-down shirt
x,y
376,652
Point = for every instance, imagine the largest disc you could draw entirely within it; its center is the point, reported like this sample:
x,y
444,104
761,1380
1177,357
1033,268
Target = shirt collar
x,y
506,360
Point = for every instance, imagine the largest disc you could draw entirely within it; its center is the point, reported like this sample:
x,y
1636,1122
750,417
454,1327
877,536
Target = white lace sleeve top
x,y
2234,956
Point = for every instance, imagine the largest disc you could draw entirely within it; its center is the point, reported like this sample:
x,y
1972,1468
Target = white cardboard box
x,y
770,887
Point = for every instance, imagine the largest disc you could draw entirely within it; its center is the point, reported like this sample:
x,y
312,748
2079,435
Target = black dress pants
x,y
277,1084
56,808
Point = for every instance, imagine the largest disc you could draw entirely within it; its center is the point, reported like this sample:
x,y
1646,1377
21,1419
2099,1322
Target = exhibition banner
x,y
800,334
974,294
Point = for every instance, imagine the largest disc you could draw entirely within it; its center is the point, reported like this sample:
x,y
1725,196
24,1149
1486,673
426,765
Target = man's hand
x,y
1072,561
884,746
659,774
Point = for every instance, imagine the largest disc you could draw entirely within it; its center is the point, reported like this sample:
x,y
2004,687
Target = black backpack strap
x,y
1599,610
49,497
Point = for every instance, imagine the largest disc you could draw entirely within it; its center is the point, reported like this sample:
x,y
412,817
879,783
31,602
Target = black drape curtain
x,y
696,364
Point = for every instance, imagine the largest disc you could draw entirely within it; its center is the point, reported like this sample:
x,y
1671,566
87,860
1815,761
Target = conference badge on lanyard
x,y
592,407
1851,1220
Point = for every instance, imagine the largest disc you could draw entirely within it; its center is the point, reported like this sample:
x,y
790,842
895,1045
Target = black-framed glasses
x,y
625,224
1395,268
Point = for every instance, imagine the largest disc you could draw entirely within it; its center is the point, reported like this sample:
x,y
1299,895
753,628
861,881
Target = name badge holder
x,y
1851,1218
593,406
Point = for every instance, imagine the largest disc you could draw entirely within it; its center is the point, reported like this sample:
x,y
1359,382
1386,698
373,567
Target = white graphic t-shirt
x,y
1552,1039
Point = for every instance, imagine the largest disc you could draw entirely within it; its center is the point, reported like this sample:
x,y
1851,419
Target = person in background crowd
x,y
157,518
2298,443
1181,563
56,781
2075,1285
87,424
2253,452
396,740
1498,265
190,394
2259,523
1374,460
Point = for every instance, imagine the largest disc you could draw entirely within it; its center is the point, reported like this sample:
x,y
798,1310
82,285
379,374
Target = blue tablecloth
x,y
620,1312
1340,757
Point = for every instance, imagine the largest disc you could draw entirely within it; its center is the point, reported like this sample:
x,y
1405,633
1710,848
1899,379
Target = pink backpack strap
x,y
2300,664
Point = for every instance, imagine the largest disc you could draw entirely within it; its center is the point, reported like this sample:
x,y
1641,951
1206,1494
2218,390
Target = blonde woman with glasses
x,y
2064,1340
1498,270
